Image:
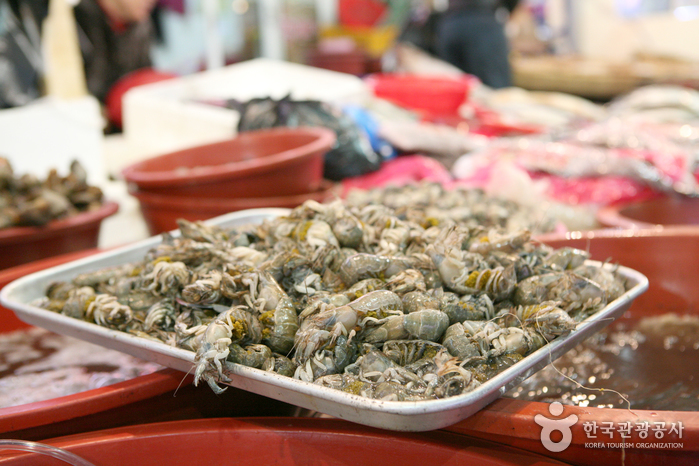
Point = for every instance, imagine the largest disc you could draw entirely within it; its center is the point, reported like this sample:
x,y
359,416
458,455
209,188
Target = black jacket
x,y
108,53
491,5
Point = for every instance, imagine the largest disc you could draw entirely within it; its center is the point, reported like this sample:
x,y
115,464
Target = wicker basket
x,y
596,79
586,78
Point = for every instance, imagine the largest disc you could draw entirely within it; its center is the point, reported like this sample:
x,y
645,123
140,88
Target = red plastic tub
x,y
20,245
113,100
278,441
669,259
351,62
161,212
160,396
668,211
432,96
364,13
261,163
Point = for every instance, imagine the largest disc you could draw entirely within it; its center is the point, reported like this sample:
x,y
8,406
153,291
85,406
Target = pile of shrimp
x,y
361,299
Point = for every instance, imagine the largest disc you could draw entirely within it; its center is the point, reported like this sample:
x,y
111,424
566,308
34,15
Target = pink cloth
x,y
596,190
400,171
575,190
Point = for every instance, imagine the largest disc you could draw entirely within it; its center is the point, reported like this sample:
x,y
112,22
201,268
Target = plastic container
x,y
433,96
668,258
163,395
42,448
20,245
667,211
261,163
161,212
361,12
350,62
375,41
278,441
131,80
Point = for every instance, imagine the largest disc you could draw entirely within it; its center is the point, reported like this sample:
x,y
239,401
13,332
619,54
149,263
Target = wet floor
x,y
653,362
38,365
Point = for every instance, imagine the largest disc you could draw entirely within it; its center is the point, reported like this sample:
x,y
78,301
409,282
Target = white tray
x,y
393,415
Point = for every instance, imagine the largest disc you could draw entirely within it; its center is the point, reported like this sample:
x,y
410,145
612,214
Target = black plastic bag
x,y
20,62
351,155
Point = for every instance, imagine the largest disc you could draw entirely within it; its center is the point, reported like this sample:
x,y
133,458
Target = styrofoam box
x,y
50,133
174,114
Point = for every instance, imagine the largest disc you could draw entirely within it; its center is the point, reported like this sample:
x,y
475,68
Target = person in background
x,y
471,36
115,38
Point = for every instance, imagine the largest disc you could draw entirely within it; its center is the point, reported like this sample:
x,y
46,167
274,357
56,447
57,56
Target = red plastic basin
x,y
361,12
433,96
278,441
20,245
669,259
261,163
113,100
160,396
161,212
668,211
351,62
